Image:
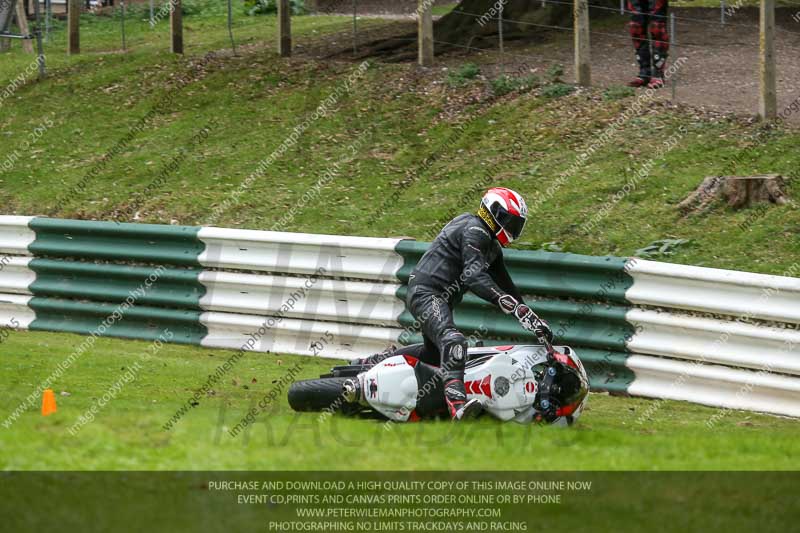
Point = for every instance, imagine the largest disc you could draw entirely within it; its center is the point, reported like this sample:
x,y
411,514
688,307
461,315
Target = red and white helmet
x,y
505,212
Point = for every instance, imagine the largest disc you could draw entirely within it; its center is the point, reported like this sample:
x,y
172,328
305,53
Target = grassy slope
x,y
522,141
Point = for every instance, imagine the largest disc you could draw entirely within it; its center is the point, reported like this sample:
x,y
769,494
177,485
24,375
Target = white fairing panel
x,y
390,387
506,383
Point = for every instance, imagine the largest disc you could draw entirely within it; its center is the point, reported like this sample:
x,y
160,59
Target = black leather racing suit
x,y
465,255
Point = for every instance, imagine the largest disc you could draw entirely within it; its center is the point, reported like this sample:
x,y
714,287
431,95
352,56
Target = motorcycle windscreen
x,y
7,8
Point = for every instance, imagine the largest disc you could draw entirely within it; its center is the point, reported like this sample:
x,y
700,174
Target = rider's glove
x,y
531,322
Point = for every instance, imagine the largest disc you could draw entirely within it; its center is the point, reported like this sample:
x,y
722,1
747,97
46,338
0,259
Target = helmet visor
x,y
513,224
572,387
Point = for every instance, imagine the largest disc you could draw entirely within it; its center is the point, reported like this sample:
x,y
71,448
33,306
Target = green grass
x,y
128,434
442,10
379,134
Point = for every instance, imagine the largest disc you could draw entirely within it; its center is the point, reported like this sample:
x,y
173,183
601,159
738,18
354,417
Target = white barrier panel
x,y
14,311
15,235
300,253
715,341
296,297
713,290
714,385
292,336
16,277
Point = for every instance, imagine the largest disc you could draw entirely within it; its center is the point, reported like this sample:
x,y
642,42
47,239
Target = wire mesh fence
x,y
713,60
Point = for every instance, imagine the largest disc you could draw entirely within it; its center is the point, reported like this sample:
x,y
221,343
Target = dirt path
x,y
718,64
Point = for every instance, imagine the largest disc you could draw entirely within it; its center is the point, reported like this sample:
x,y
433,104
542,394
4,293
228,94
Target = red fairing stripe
x,y
480,387
411,360
561,358
504,348
566,410
486,387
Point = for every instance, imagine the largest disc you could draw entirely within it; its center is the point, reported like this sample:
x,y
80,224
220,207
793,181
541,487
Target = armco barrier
x,y
659,330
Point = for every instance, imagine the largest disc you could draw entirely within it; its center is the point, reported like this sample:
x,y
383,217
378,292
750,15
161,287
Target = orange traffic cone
x,y
48,402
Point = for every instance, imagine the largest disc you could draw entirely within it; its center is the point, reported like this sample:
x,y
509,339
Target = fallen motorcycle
x,y
523,383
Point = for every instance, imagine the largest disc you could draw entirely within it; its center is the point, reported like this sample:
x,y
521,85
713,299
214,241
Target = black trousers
x,y
436,321
441,337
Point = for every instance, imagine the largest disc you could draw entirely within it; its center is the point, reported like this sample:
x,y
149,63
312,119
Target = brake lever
x,y
551,352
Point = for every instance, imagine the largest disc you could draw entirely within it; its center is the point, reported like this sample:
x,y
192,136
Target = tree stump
x,y
737,191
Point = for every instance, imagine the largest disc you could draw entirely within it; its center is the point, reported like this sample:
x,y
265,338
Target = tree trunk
x,y
738,192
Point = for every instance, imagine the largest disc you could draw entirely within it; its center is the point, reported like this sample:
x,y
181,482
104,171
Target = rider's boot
x,y
455,396
657,81
469,410
642,79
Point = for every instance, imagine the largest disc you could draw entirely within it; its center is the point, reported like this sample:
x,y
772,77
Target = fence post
x,y
425,32
768,102
284,28
73,27
122,22
38,35
673,37
230,27
22,22
583,70
355,27
500,38
176,26
48,18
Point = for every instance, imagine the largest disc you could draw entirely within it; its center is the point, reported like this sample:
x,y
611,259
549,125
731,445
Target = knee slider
x,y
454,350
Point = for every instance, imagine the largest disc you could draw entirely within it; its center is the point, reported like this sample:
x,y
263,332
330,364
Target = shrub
x,y
554,72
460,77
557,90
503,85
270,7
617,92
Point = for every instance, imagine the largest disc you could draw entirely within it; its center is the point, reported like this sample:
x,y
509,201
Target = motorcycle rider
x,y
467,254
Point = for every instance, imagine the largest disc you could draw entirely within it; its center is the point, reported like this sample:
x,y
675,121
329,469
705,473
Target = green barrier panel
x,y
108,282
143,323
606,369
548,274
598,325
142,243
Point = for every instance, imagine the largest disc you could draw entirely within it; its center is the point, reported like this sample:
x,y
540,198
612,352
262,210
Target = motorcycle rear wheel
x,y
323,394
